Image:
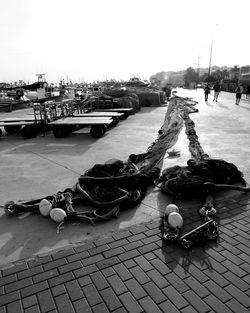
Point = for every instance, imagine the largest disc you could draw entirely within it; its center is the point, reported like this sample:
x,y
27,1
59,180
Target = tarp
x,y
33,86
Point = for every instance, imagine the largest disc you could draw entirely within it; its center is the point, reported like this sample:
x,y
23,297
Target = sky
x,y
90,40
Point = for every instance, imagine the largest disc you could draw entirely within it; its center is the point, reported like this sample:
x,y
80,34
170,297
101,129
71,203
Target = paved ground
x,y
135,271
129,268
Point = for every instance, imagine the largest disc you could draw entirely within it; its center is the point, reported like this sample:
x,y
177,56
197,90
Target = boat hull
x,y
8,106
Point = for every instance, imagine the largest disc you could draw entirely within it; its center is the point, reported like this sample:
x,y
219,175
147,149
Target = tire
x,y
19,93
115,121
72,128
29,131
59,131
12,129
105,128
97,131
1,132
124,116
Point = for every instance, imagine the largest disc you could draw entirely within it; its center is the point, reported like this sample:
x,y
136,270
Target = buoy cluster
x,y
56,214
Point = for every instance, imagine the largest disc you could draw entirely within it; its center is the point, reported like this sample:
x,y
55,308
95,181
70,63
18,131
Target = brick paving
x,y
136,271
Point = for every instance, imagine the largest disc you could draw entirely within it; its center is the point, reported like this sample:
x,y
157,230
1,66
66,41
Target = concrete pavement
x,y
41,166
123,265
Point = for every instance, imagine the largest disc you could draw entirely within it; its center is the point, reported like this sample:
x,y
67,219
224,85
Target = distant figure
x,y
239,90
216,91
248,92
206,92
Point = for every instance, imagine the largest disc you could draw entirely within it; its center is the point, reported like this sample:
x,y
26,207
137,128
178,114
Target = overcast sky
x,y
102,39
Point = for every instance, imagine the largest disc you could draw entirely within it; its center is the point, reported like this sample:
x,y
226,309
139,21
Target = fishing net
x,y
200,177
113,186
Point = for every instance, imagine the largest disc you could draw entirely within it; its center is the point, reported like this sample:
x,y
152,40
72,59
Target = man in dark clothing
x,y
239,91
216,91
206,92
248,92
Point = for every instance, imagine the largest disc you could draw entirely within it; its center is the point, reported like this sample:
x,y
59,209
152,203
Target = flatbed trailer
x,y
126,111
116,116
28,125
65,125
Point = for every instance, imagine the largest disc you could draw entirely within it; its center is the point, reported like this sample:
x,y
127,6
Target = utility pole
x,y
198,68
209,68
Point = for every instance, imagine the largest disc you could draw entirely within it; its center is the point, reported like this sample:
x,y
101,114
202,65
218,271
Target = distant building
x,y
234,73
245,73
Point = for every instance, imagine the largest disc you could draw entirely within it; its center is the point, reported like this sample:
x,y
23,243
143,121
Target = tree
x,y
190,76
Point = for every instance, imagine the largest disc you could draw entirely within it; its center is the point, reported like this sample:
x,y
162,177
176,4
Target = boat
x,y
23,96
13,101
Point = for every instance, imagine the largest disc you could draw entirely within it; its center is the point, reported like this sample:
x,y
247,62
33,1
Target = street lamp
x,y
211,50
210,58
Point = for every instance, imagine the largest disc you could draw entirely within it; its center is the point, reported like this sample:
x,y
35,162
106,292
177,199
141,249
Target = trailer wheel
x,y
11,129
115,121
124,116
29,131
71,128
97,131
59,131
105,128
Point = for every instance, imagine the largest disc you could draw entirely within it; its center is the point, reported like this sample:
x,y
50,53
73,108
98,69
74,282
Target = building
x,y
245,74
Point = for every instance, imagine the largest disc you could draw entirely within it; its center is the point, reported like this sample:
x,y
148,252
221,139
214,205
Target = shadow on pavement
x,y
222,106
230,206
33,234
208,104
73,144
244,107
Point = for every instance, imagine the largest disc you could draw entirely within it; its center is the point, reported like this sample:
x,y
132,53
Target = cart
x,y
126,111
116,116
65,125
29,122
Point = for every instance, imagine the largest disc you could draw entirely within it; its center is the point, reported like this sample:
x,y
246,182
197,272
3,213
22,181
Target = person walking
x,y
248,92
217,89
206,92
239,90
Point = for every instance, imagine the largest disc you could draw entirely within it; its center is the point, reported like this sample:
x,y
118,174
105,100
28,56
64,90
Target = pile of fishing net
x,y
199,177
129,101
110,187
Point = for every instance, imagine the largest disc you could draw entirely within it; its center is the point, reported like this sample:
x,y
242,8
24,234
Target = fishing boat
x,y
10,102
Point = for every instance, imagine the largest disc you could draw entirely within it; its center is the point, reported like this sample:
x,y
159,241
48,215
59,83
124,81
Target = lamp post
x,y
210,59
198,64
211,51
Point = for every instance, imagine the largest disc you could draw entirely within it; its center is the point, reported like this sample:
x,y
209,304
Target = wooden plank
x,y
16,123
21,119
115,110
97,114
82,121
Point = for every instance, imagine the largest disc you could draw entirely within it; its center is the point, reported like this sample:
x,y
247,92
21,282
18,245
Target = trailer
x,y
65,125
28,121
116,116
126,111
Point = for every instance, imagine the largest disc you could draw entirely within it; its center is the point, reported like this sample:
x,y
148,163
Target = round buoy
x,y
58,215
45,207
169,209
175,220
